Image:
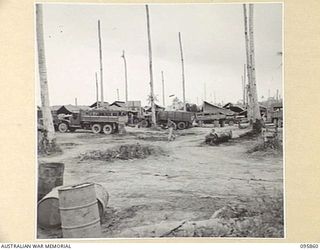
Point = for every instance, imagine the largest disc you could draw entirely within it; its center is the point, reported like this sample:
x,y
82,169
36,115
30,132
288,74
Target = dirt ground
x,y
185,188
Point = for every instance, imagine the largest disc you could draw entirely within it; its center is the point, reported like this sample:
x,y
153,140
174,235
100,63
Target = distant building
x,y
94,105
237,108
70,109
213,109
118,104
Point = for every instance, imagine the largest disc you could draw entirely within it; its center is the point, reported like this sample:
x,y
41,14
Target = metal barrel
x,y
79,211
48,215
50,175
103,198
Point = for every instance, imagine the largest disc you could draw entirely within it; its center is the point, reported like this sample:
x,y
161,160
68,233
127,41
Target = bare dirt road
x,y
184,188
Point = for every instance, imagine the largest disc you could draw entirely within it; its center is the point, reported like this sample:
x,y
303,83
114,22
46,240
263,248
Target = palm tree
x,y
49,134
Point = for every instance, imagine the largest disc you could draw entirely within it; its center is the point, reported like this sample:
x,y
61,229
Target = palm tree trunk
x,y
46,111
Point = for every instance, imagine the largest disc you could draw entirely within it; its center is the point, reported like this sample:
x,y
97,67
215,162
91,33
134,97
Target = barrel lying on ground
x,y
48,207
50,175
79,211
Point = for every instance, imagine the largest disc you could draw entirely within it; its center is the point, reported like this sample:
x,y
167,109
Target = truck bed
x,y
176,116
104,119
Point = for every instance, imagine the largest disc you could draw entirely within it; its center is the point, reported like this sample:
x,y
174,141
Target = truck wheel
x,y
107,129
181,125
96,128
231,123
63,127
144,123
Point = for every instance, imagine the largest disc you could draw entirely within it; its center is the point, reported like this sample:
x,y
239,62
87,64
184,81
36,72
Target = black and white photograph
x,y
159,120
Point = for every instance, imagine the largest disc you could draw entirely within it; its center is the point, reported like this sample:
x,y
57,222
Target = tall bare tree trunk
x,y
248,57
256,108
153,111
163,95
97,90
243,91
182,72
245,86
101,68
125,75
46,111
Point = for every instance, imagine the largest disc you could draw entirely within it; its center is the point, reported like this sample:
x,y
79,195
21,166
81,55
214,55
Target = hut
x,y
94,105
71,109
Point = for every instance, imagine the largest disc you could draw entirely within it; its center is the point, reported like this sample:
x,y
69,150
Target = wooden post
x,y
44,91
153,111
163,95
183,79
76,101
204,91
125,75
118,95
101,68
256,108
97,90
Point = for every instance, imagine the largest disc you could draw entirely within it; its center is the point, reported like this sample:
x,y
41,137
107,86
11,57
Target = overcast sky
x,y
213,46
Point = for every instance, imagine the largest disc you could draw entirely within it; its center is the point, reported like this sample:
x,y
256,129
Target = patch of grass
x,y
123,152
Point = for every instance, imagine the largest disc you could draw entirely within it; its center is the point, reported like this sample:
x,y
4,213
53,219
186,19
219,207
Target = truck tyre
x,y
231,123
63,127
96,128
181,125
107,129
144,123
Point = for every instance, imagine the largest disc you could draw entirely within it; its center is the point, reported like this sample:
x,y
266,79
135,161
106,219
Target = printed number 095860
x,y
308,245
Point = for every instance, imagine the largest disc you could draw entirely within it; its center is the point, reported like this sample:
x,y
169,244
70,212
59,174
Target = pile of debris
x,y
123,152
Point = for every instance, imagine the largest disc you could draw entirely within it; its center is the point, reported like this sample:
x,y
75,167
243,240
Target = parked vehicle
x,y
98,120
208,118
182,119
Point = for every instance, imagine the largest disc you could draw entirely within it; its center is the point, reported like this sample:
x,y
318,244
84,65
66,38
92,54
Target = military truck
x,y
98,120
181,119
222,119
206,117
